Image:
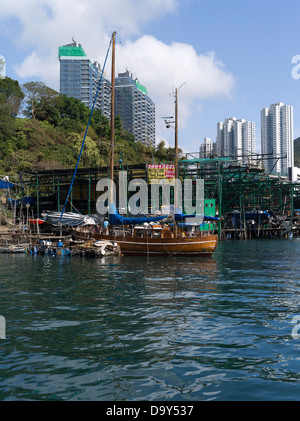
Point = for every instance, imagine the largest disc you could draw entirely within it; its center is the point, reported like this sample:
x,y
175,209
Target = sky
x,y
227,58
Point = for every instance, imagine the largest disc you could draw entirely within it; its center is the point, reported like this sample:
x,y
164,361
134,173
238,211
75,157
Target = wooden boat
x,y
149,243
151,235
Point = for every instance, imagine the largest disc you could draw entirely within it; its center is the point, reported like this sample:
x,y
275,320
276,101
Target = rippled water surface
x,y
127,328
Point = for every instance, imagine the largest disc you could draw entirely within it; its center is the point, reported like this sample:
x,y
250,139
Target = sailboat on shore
x,y
148,235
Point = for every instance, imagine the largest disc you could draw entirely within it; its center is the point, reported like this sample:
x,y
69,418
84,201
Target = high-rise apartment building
x,y
277,138
135,107
236,138
207,148
79,78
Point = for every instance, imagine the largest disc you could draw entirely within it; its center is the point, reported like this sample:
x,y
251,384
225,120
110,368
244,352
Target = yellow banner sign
x,y
161,173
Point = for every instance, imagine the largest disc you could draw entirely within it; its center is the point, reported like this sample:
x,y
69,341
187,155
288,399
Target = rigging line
x,y
73,206
124,57
83,142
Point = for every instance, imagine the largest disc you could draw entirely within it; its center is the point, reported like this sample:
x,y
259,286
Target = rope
x,y
73,206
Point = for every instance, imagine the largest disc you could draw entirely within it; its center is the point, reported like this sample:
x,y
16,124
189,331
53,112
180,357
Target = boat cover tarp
x,y
181,217
5,185
24,201
69,218
253,214
116,219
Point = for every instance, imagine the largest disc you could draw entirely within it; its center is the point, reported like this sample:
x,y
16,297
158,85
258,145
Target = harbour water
x,y
158,329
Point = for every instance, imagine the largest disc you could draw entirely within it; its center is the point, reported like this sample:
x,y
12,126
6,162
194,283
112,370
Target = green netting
x,y
69,51
203,160
141,87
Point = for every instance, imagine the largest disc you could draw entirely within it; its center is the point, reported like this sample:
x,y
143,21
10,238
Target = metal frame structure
x,y
233,186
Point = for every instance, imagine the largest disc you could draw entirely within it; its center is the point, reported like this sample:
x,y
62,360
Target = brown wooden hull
x,y
186,246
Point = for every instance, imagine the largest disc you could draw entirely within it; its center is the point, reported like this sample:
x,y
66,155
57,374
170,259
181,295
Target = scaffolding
x,y
242,188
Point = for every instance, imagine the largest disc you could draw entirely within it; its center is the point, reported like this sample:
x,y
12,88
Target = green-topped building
x,y
135,107
79,78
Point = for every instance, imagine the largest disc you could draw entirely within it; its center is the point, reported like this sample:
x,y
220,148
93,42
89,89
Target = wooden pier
x,y
249,234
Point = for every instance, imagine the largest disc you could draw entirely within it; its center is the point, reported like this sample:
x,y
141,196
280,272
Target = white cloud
x,y
36,66
162,68
41,26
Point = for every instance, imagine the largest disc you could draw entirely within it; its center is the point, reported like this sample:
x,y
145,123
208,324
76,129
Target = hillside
x,y
50,134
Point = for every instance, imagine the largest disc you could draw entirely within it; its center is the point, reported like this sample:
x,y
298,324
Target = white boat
x,y
13,249
69,218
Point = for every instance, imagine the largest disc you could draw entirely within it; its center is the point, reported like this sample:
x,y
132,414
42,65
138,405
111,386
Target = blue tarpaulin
x,y
24,201
253,215
116,219
181,216
5,184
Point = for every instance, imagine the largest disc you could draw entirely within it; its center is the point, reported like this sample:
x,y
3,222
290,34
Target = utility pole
x,y
176,146
176,151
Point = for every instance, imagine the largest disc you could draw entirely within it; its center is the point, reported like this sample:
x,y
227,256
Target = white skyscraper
x,y
206,149
236,138
277,138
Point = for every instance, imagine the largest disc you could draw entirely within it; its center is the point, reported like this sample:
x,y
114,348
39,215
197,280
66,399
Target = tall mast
x,y
112,119
176,160
176,135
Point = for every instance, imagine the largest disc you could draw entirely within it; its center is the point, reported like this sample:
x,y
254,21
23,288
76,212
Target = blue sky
x,y
234,56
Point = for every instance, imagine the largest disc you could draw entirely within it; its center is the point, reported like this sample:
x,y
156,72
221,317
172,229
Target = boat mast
x,y
176,149
176,160
112,119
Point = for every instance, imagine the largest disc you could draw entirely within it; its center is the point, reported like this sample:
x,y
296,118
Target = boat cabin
x,y
152,231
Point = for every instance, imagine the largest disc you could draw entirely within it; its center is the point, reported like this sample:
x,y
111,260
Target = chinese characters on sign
x,y
161,173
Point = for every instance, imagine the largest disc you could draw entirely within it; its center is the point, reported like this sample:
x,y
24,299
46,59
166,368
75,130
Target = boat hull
x,y
185,246
13,249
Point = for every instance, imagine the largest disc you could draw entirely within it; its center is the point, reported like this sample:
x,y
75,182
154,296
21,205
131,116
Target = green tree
x,y
73,109
160,151
39,98
11,95
101,125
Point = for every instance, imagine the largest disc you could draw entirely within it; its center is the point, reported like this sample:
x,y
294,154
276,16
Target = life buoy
x,y
228,236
